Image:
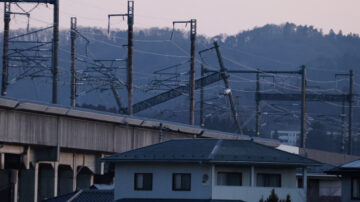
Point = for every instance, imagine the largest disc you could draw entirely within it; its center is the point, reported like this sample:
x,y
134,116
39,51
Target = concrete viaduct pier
x,y
49,150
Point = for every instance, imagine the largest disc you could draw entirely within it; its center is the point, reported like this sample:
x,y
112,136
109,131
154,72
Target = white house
x,y
207,170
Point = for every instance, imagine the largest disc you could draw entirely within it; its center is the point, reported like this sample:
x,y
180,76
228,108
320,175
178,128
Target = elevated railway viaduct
x,y
49,150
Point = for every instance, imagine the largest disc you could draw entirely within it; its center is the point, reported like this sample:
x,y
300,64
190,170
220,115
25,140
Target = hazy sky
x,y
214,16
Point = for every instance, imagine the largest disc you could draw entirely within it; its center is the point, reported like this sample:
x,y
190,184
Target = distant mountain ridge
x,y
275,47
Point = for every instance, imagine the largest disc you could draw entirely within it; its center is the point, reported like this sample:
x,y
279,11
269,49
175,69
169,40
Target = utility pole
x,y
117,97
303,107
257,100
225,76
160,132
5,71
193,26
73,63
20,56
202,118
351,93
202,85
350,100
192,71
130,56
343,125
130,45
55,53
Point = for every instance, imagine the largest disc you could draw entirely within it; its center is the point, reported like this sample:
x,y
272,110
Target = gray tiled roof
x,y
85,195
349,168
176,200
211,151
354,165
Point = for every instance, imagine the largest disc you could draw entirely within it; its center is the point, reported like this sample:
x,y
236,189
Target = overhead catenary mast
x,y
73,34
54,48
193,27
130,22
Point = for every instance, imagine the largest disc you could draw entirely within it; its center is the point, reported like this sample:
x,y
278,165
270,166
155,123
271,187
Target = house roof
x,y
332,158
85,195
217,151
349,168
175,200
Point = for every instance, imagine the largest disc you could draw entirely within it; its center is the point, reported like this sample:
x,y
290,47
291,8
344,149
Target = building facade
x,y
207,170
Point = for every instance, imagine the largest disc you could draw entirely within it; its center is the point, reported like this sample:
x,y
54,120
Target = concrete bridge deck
x,y
72,128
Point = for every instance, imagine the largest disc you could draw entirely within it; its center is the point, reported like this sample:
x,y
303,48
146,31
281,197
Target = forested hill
x,y
271,47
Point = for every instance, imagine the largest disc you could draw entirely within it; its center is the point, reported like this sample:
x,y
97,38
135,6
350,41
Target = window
x,y
355,188
268,180
229,178
143,181
181,182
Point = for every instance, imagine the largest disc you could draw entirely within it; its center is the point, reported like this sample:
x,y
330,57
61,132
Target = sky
x,y
214,16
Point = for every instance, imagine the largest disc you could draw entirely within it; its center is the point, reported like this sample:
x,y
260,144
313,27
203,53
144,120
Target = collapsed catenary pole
x,y
224,75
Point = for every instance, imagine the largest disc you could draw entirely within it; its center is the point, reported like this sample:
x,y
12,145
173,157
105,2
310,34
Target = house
x,y
350,175
322,187
207,170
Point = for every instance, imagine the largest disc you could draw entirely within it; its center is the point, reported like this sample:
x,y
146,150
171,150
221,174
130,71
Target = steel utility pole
x,y
55,52
202,85
130,45
54,48
257,100
343,125
130,56
225,76
303,107
202,118
350,100
192,71
351,94
73,62
192,67
5,71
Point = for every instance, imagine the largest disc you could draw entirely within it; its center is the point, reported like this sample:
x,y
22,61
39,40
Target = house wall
x,y
288,175
330,188
346,190
246,192
162,181
324,189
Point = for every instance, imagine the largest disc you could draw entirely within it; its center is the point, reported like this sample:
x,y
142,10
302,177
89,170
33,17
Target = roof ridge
x,y
133,150
98,190
75,195
215,149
